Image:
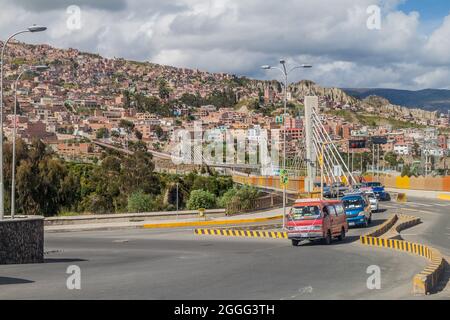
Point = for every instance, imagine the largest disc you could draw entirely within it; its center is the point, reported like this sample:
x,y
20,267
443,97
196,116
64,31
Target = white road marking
x,y
418,204
418,210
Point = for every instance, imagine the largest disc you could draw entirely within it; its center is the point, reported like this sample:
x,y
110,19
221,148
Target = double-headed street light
x,y
38,68
286,73
33,28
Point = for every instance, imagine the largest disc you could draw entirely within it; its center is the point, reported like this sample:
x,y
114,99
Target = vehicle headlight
x,y
290,228
362,213
317,228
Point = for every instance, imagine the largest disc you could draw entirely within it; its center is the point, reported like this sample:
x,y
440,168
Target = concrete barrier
x,y
385,227
401,197
426,280
442,196
242,233
180,224
22,240
128,217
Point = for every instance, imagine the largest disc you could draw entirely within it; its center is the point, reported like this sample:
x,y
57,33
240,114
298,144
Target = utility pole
x,y
285,73
373,160
310,103
361,163
321,169
378,162
176,176
353,155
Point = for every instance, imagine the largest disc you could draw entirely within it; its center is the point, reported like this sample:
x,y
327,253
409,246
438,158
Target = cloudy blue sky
x,y
411,50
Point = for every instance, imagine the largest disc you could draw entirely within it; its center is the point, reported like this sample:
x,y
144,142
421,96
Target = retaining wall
x,y
22,241
297,184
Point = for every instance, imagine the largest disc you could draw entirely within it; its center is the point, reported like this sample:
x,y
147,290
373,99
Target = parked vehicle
x,y
316,219
357,209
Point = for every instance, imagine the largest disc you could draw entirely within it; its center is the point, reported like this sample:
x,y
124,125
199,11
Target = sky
x,y
406,46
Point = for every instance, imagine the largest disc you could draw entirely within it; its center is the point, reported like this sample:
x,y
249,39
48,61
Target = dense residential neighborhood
x,y
82,97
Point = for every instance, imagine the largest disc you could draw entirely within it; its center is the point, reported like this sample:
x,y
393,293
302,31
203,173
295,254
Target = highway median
x,y
388,236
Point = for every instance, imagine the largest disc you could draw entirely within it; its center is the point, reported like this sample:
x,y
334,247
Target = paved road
x,y
175,264
435,215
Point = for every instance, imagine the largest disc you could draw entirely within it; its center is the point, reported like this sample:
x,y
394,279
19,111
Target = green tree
x,y
137,174
102,133
128,126
244,196
138,134
164,89
392,159
140,202
159,132
201,199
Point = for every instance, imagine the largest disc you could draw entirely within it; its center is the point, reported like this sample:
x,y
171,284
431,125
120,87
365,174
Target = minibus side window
x,y
331,210
339,209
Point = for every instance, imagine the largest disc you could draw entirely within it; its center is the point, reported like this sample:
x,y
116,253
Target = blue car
x,y
379,191
357,210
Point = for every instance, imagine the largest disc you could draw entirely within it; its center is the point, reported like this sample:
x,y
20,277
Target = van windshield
x,y
299,213
353,203
374,184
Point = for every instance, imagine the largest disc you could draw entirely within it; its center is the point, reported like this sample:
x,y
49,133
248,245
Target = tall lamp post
x,y
285,73
13,162
33,28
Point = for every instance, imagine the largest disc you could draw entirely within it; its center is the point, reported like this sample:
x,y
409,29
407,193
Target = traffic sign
x,y
337,170
357,144
279,119
284,179
321,160
379,140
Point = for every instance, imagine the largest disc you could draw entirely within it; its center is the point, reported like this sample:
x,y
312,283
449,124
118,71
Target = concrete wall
x,y
417,183
22,241
296,184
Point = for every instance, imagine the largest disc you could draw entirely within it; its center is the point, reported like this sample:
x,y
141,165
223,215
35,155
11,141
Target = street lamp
x,y
39,68
34,28
286,73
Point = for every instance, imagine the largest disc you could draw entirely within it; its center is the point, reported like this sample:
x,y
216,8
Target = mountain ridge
x,y
427,99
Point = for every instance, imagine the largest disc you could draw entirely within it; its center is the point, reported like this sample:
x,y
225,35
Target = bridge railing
x,y
265,202
295,184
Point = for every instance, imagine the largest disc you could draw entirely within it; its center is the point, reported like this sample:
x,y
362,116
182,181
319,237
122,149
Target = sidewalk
x,y
441,195
268,215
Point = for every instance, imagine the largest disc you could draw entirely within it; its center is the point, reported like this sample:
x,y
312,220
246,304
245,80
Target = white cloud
x,y
238,36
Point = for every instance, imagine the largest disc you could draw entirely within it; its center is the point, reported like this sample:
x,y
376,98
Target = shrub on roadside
x,y
201,199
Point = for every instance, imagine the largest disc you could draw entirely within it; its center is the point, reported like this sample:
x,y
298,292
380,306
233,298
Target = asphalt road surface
x,y
176,264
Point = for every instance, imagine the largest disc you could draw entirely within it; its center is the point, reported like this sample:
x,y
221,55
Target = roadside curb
x,y
442,196
242,233
208,223
427,279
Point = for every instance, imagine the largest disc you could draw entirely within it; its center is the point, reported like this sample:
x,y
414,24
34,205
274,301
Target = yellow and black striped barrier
x,y
426,280
242,233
